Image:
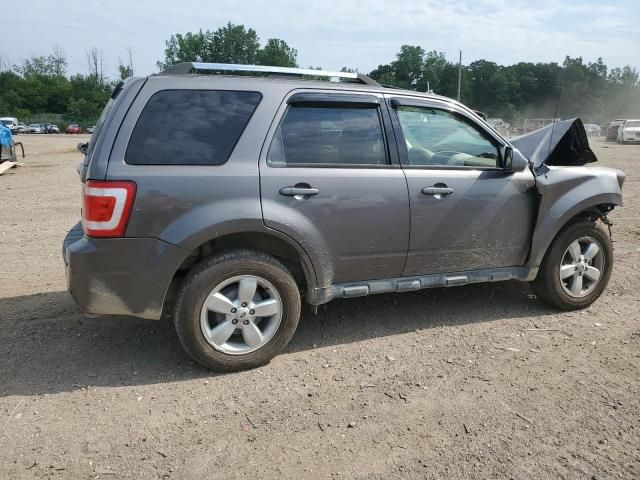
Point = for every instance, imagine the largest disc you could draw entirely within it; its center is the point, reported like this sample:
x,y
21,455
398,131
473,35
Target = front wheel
x,y
576,268
237,310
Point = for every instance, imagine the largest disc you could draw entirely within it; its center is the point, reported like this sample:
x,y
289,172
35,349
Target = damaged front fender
x,y
557,154
566,192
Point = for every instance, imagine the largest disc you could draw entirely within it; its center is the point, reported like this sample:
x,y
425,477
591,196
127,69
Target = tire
x,y
196,325
558,293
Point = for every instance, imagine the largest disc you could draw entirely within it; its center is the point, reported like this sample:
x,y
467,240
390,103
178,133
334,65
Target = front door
x,y
466,212
328,180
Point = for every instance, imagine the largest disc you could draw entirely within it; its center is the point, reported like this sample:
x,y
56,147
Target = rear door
x,y
466,212
329,179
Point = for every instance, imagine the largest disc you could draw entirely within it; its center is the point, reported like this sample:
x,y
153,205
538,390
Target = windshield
x,y
633,123
35,125
6,122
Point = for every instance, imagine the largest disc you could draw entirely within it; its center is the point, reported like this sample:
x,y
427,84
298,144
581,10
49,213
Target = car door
x,y
467,213
329,180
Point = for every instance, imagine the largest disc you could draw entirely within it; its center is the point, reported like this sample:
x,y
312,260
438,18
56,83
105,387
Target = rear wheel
x,y
237,310
576,268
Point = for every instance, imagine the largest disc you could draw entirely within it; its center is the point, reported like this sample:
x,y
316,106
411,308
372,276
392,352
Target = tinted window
x,y
190,127
329,135
437,137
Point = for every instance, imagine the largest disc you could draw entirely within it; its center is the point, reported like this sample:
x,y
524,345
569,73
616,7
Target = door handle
x,y
437,190
294,191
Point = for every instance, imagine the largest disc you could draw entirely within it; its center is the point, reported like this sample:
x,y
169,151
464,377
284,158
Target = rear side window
x,y
329,136
190,127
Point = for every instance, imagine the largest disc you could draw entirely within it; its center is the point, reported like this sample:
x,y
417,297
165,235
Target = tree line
x,y
40,85
591,91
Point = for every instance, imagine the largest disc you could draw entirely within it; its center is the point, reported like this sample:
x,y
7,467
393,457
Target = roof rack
x,y
197,67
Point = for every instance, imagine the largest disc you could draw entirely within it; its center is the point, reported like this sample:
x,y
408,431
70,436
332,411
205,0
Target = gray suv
x,y
230,193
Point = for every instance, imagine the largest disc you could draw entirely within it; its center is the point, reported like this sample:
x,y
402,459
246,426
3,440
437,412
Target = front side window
x,y
190,127
436,137
329,135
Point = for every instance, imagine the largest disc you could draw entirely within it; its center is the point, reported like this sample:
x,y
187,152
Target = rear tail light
x,y
106,207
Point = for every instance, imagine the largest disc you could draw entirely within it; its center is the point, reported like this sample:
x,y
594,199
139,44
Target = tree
x,y
54,64
590,90
435,73
4,63
126,70
58,60
276,52
384,74
229,44
95,62
233,44
408,66
184,48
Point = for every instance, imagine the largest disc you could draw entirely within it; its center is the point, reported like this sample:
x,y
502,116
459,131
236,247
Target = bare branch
x,y
95,62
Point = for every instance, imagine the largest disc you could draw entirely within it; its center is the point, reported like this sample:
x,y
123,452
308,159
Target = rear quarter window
x,y
190,127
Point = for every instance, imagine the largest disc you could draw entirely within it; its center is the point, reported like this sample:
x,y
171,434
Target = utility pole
x,y
459,74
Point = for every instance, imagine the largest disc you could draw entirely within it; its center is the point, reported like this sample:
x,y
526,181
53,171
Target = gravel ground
x,y
469,382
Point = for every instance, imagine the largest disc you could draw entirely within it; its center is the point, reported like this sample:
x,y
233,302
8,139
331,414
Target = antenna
x,y
555,116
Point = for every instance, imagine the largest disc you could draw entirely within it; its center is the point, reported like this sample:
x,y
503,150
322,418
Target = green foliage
x,y
77,99
229,44
125,71
184,48
523,90
589,90
277,53
42,66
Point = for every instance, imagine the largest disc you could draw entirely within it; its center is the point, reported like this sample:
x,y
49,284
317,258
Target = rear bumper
x,y
120,276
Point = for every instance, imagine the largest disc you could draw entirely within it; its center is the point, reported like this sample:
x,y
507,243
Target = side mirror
x,y
507,159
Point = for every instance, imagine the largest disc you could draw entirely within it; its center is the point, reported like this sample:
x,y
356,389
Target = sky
x,y
333,33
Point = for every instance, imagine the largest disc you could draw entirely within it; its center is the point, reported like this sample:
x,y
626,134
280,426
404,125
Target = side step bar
x,y
318,296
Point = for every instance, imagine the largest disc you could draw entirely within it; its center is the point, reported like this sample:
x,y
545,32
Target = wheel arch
x,y
567,193
267,241
549,228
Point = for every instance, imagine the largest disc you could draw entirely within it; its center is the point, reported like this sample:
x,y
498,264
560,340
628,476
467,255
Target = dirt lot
x,y
469,382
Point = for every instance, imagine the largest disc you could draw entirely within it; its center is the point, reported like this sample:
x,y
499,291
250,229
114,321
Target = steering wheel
x,y
441,158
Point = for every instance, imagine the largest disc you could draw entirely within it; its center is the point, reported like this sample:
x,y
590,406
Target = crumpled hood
x,y
562,143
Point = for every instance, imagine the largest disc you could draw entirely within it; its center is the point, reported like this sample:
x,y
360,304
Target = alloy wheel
x,y
241,314
581,267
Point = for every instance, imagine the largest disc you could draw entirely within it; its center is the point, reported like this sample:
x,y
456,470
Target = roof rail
x,y
197,67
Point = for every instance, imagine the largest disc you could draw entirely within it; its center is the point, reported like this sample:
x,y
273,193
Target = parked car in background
x,y
282,188
22,128
53,129
74,128
629,131
91,129
35,128
612,130
592,129
11,123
